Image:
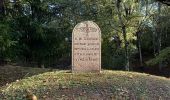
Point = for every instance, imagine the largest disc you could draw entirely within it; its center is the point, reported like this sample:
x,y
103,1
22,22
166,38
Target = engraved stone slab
x,y
86,47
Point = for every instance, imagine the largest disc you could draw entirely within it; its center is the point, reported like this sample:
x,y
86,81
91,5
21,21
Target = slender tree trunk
x,y
124,35
138,34
153,41
146,3
159,33
126,48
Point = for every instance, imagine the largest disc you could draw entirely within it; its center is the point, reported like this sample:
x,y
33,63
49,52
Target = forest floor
x,y
49,84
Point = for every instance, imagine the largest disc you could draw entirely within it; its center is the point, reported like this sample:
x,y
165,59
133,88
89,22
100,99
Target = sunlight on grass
x,y
109,84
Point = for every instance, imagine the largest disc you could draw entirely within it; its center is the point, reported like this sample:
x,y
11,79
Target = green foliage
x,y
146,39
112,55
5,41
163,56
40,28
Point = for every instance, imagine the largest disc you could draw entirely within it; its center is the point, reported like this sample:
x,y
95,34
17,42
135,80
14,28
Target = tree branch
x,y
167,2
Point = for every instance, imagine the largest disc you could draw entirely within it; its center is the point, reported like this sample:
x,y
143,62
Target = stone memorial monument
x,y
86,47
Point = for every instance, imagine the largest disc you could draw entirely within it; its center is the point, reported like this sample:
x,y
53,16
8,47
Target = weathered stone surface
x,y
86,47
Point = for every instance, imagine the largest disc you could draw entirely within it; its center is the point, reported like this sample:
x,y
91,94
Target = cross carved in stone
x,y
87,29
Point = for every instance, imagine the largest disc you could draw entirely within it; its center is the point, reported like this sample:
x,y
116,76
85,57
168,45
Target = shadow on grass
x,y
9,73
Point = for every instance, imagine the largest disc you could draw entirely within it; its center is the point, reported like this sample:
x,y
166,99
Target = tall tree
x,y
123,26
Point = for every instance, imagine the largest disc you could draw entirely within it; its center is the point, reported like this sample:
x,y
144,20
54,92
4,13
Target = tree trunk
x,y
153,41
159,33
126,47
146,3
138,34
124,35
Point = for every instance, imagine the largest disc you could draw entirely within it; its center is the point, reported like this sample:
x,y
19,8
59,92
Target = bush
x,y
164,56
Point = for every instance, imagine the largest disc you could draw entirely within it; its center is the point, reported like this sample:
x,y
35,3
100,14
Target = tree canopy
x,y
38,32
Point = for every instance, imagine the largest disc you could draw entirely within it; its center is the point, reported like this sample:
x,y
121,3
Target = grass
x,y
10,73
113,85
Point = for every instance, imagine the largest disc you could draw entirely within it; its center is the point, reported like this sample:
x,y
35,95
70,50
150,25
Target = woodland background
x,y
135,33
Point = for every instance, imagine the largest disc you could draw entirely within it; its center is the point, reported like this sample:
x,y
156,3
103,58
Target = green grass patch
x,y
117,85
